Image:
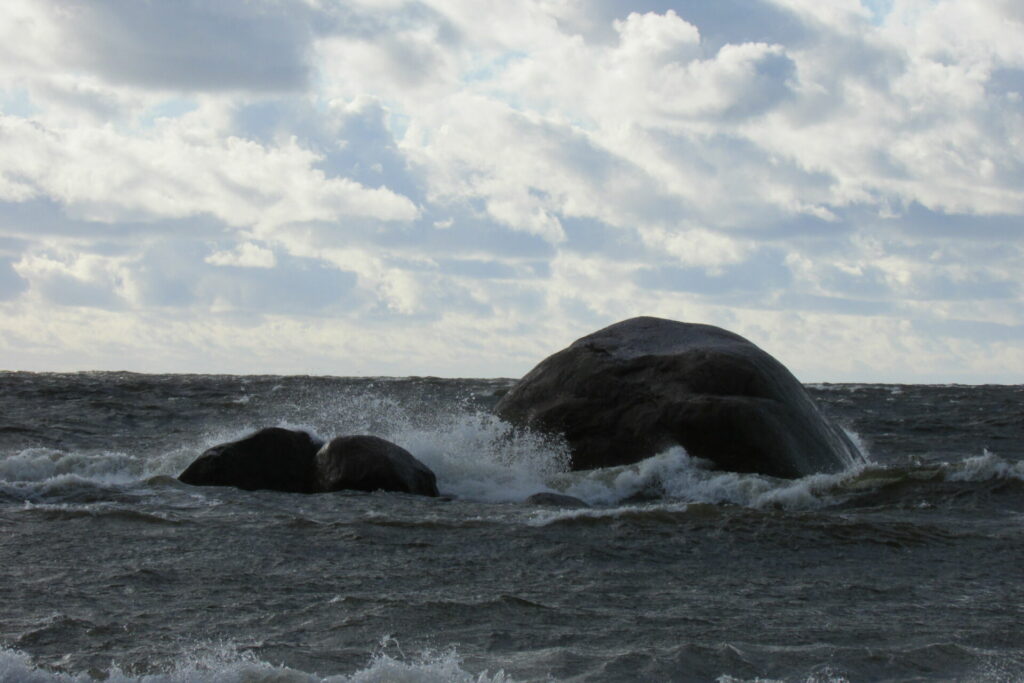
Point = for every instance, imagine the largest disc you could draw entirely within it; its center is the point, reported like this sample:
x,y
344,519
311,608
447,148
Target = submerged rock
x,y
635,388
560,500
273,458
368,463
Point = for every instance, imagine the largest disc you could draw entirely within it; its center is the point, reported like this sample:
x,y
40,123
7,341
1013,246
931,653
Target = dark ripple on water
x,y
908,569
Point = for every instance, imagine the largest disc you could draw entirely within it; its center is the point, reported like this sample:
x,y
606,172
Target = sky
x,y
462,187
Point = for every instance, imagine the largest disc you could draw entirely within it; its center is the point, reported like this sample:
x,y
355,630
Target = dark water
x,y
910,568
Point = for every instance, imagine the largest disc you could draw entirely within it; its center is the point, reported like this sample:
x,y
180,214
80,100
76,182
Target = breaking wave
x,y
224,663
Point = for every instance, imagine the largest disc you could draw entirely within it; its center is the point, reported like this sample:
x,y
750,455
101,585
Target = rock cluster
x,y
617,396
285,460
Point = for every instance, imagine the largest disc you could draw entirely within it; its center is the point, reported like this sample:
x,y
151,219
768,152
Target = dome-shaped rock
x,y
635,388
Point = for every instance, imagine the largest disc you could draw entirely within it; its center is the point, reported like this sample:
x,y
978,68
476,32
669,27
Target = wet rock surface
x,y
633,389
279,459
369,463
273,459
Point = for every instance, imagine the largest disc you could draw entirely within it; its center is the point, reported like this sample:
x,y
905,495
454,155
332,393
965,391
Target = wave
x,y
665,511
42,464
479,458
66,511
943,661
672,483
676,476
743,662
985,467
224,663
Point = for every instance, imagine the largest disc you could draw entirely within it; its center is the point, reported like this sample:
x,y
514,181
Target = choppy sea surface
x,y
910,567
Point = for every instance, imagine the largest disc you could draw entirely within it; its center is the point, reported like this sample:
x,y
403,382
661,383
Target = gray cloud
x,y
191,44
976,330
471,232
589,236
974,286
803,301
369,23
770,86
179,275
11,284
44,217
1006,81
64,289
919,221
760,274
296,287
495,270
866,283
355,143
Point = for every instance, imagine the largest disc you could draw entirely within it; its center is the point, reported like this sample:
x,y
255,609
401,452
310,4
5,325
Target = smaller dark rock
x,y
556,500
369,463
272,458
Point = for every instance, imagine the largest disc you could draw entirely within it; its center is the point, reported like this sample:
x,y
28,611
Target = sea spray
x,y
477,456
984,467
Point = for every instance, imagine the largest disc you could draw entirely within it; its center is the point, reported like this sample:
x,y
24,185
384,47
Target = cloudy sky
x,y
461,187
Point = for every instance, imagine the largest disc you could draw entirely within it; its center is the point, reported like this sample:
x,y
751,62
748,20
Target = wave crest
x,y
225,663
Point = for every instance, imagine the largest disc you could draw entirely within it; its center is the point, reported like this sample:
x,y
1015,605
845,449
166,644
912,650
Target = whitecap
x,y
549,517
224,663
42,464
675,475
984,467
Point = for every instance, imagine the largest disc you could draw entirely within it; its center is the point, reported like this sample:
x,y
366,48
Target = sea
x,y
907,567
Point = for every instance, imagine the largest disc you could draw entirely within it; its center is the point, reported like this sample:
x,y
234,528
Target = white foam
x,y
674,475
432,668
42,464
225,664
825,676
476,457
549,517
53,467
46,468
984,467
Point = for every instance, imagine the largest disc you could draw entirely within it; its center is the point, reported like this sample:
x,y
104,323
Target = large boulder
x,y
273,458
368,463
635,388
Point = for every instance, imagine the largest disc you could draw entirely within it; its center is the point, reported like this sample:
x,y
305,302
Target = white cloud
x,y
479,184
69,279
697,246
183,167
29,38
247,255
657,39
